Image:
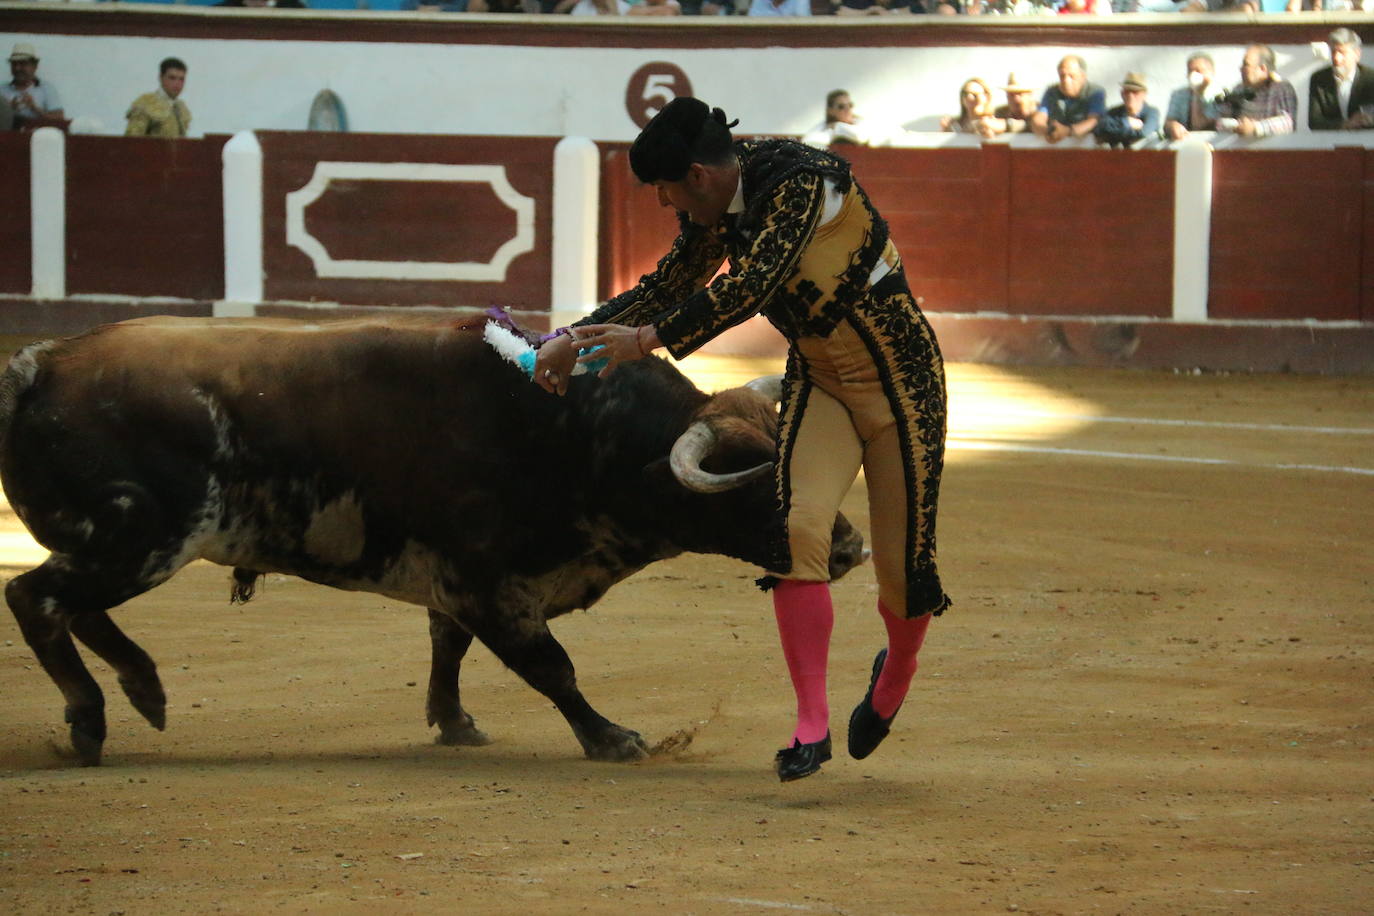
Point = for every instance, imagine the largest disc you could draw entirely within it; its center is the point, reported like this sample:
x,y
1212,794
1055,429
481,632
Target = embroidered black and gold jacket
x,y
778,264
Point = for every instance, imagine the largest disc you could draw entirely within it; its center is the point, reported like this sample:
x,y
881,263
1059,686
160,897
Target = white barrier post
x,y
576,191
48,212
242,227
1192,229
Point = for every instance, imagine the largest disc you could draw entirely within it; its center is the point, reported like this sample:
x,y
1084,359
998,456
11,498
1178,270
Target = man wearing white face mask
x,y
1341,96
1189,109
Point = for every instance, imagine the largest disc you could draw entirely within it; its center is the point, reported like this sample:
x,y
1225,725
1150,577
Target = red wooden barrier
x,y
16,266
389,222
634,230
1287,229
1034,232
145,217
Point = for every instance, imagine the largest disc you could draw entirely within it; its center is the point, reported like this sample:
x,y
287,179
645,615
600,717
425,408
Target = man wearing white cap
x,y
32,100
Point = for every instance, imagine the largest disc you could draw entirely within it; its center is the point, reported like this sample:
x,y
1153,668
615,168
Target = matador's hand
x,y
622,344
553,364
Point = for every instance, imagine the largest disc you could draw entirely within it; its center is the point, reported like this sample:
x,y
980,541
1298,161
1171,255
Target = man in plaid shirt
x,y
1264,104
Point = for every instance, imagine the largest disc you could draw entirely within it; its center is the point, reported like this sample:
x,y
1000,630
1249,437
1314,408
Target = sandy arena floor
x,y
1152,696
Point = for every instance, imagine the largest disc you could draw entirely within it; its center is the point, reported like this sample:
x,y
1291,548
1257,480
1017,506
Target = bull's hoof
x,y
88,734
616,744
149,699
465,734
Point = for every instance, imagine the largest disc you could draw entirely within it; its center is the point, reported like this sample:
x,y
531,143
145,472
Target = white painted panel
x,y
534,91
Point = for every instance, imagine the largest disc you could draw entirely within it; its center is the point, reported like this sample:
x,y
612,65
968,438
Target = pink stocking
x,y
904,639
805,619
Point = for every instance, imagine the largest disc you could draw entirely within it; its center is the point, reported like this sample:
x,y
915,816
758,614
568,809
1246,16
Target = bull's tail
x,y
16,379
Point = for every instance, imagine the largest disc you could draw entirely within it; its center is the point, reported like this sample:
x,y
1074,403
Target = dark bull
x,y
402,457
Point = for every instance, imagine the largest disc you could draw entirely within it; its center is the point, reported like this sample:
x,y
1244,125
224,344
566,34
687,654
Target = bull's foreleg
x,y
449,642
527,647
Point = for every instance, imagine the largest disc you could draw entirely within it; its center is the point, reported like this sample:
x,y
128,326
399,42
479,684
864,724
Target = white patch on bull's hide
x,y
336,533
204,523
411,577
24,364
217,419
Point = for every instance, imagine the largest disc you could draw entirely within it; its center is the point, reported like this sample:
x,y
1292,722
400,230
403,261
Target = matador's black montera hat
x,y
684,131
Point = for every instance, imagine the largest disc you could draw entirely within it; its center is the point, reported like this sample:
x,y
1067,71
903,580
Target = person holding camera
x,y
1264,104
1189,108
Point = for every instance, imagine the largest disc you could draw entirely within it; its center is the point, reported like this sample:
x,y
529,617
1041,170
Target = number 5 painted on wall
x,y
651,87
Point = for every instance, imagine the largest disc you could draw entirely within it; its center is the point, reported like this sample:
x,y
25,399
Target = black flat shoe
x,y
867,729
802,759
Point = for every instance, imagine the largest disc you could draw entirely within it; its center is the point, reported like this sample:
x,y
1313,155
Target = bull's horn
x,y
691,448
770,386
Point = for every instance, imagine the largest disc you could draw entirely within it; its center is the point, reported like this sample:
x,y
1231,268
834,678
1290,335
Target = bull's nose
x,y
864,556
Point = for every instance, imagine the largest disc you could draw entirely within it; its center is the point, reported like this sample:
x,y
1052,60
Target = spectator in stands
x,y
1341,96
1329,6
1220,6
259,4
1091,7
161,113
656,8
841,125
878,7
6,117
1189,108
975,110
32,101
443,6
1015,116
592,7
1264,104
708,7
1072,107
1131,121
780,8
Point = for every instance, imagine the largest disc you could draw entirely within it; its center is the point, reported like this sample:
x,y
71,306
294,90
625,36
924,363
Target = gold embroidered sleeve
x,y
757,274
138,119
696,255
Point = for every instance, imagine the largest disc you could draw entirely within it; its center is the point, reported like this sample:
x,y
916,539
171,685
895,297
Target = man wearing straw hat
x,y
1015,116
31,100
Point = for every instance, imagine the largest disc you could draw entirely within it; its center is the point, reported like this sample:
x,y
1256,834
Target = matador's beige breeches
x,y
847,423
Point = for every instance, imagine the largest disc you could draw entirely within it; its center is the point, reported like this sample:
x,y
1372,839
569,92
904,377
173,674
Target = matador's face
x,y
173,81
704,193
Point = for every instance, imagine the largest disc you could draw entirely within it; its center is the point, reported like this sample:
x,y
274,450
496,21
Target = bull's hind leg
x,y
135,668
449,643
526,646
54,601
